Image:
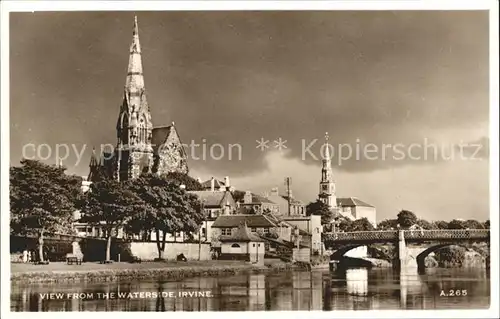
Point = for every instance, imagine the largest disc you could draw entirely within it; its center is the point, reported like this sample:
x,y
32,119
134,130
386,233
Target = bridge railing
x,y
444,234
384,235
362,236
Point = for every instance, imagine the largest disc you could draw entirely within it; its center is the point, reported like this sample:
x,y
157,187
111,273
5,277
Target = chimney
x,y
247,199
227,185
290,194
274,192
212,184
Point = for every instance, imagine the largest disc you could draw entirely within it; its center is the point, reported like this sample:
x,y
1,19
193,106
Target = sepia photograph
x,y
337,159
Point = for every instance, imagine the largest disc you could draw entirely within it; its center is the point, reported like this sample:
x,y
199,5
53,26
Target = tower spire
x,y
134,84
134,152
327,184
327,151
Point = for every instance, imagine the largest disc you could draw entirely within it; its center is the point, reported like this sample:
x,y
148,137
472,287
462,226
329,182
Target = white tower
x,y
327,184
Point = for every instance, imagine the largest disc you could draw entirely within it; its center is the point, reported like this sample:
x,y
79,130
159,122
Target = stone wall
x,y
302,254
149,250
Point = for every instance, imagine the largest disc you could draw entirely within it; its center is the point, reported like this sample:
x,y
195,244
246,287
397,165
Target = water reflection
x,y
350,289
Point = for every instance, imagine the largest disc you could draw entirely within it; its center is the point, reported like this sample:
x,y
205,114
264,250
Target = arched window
x,y
124,129
235,246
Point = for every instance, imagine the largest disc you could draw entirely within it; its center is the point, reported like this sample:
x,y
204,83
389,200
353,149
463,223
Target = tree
x,y
322,209
457,224
474,224
362,224
169,208
388,224
110,204
425,224
42,200
441,224
344,224
486,224
190,183
406,219
450,256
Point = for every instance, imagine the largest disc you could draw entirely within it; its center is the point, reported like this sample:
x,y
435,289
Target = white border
x,y
27,6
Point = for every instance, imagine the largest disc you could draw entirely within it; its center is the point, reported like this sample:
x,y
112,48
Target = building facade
x,y
257,204
354,208
288,205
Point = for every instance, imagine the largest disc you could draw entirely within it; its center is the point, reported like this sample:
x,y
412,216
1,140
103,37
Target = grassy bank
x,y
60,272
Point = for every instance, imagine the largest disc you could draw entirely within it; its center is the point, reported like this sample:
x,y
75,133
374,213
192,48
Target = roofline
x,y
162,126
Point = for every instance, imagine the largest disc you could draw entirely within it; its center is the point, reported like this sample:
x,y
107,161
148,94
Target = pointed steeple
x,y
327,183
134,84
134,126
327,146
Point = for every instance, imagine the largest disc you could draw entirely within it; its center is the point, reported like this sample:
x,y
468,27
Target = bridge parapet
x,y
447,234
409,235
384,235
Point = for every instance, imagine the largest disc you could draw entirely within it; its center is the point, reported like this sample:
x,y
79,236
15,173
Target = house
x,y
354,208
215,204
288,205
257,204
214,184
242,244
225,225
310,230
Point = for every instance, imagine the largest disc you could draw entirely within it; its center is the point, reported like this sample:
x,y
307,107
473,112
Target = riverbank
x,y
61,272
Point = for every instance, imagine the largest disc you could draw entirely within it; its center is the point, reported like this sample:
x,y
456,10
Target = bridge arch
x,y
420,258
337,254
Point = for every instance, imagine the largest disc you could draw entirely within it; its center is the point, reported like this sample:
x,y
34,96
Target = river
x,y
351,289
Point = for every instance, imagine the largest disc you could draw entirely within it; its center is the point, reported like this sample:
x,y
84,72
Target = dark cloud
x,y
234,77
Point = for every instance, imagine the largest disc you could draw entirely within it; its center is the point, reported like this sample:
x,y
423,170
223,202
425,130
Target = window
x,y
203,232
253,230
258,245
226,231
235,246
266,230
253,245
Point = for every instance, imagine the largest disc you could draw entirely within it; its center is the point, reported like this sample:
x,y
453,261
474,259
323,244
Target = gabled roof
x,y
211,199
217,184
163,134
242,234
259,199
232,221
352,202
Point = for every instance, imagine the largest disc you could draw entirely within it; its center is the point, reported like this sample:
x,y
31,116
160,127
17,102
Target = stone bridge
x,y
412,245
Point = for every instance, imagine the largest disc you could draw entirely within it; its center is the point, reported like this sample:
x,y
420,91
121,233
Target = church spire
x,y
327,184
134,84
134,152
327,151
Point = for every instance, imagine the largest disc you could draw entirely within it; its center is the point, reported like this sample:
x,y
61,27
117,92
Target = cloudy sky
x,y
411,83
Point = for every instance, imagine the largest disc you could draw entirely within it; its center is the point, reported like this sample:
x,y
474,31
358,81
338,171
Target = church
x,y
140,146
349,207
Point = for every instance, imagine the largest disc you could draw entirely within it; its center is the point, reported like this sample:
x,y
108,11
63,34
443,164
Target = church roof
x,y
352,202
160,135
242,234
231,221
211,199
